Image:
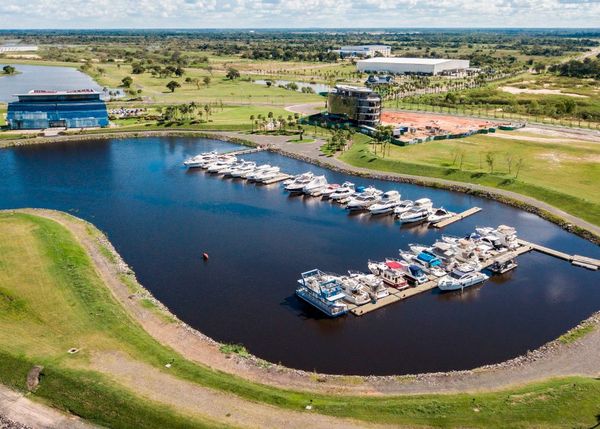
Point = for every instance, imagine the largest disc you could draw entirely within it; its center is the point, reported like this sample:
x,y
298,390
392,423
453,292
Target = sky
x,y
37,14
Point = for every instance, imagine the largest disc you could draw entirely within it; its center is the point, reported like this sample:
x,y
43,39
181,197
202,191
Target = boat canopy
x,y
394,265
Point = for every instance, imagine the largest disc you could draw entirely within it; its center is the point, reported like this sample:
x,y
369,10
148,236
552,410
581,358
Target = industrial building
x,y
359,105
365,51
17,48
40,109
419,66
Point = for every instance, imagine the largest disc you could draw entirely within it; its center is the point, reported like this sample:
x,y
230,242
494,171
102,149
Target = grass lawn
x,y
3,108
562,173
51,299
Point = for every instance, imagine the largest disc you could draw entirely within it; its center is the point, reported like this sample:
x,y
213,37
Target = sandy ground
x,y
515,90
425,123
306,108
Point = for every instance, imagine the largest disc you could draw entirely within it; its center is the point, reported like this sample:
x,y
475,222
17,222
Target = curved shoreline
x,y
554,359
279,145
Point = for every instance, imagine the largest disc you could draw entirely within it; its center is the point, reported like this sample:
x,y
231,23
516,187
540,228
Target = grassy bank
x,y
561,173
62,303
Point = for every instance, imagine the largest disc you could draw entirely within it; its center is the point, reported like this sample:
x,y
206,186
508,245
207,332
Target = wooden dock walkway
x,y
279,178
577,260
245,151
400,295
457,217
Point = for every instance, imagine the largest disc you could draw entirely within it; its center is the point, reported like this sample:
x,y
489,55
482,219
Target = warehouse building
x,y
366,51
419,66
40,109
359,105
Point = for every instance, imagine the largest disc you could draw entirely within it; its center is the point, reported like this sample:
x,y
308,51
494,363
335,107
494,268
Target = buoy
x,y
205,256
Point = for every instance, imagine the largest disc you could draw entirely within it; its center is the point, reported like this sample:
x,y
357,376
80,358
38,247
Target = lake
x,y
44,77
161,218
316,87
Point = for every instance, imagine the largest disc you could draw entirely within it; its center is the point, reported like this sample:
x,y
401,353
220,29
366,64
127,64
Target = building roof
x,y
353,88
404,60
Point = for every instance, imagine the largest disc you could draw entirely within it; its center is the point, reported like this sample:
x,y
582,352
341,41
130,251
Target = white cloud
x,y
298,13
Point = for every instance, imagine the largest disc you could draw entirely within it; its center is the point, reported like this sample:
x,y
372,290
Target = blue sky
x,y
297,13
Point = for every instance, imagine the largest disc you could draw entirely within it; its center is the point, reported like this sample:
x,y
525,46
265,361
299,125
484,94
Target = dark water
x,y
161,218
43,77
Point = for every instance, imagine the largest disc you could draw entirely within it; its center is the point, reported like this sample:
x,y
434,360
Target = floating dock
x,y
399,295
457,217
245,151
577,260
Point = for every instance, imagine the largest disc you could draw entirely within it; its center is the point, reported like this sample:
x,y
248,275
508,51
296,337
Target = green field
x,y
573,167
51,299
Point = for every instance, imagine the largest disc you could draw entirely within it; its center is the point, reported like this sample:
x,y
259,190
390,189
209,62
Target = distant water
x,y
316,87
162,217
43,77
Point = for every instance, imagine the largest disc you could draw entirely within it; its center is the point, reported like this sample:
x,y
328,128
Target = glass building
x,y
360,105
63,109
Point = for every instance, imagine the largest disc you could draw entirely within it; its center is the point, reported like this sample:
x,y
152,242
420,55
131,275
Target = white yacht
x,y
227,169
375,285
414,215
344,191
299,183
459,280
266,174
439,215
315,185
365,199
307,175
329,189
354,291
200,159
248,167
221,162
389,200
258,170
403,206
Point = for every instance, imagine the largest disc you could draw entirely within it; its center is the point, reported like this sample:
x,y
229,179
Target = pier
x,y
399,295
457,217
577,260
279,178
245,151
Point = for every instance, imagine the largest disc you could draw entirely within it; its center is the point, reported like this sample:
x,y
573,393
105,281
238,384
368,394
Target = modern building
x,y
365,51
375,80
40,109
360,105
420,66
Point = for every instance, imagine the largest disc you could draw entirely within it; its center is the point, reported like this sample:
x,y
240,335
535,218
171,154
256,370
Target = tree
x,y
9,69
301,131
137,68
518,166
490,158
252,118
508,157
206,80
173,85
232,74
126,81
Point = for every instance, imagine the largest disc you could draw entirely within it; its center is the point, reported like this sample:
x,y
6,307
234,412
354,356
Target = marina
x,y
162,217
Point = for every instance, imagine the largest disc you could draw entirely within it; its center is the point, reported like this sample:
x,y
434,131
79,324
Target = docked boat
x,y
389,200
315,185
322,291
256,170
344,191
403,207
329,189
439,215
459,280
248,167
200,159
414,215
393,275
298,184
415,275
221,162
267,175
308,175
260,170
354,291
504,264
226,170
374,285
365,199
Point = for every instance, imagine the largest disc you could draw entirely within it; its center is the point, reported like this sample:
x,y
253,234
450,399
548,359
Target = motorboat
x,y
307,175
226,170
261,170
389,200
329,189
393,275
315,185
362,201
504,264
220,163
403,206
267,175
298,184
257,170
414,215
415,275
344,191
459,280
323,291
200,159
439,215
354,291
374,285
248,167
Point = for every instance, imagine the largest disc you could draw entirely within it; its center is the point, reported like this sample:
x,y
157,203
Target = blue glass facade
x,y
77,109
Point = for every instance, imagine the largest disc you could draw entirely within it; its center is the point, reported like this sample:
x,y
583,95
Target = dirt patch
x,y
33,377
515,90
423,125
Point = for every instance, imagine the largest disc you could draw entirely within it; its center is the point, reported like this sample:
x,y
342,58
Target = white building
x,y
431,66
365,50
17,48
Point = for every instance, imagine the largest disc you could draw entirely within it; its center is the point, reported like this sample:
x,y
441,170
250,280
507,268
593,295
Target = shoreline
x,y
564,220
554,359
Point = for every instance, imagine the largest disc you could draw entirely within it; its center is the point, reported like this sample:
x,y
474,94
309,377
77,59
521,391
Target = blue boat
x,y
322,291
428,259
415,275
